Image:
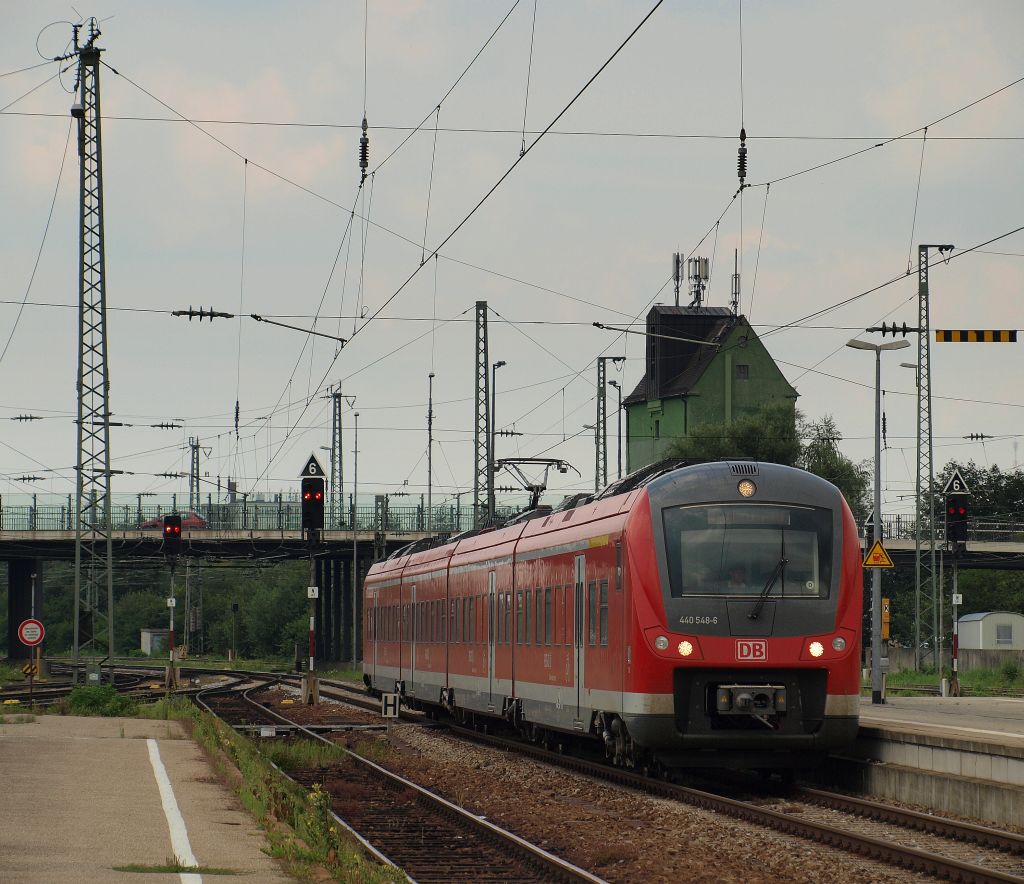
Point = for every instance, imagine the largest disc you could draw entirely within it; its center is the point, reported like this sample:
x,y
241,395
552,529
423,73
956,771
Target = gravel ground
x,y
618,834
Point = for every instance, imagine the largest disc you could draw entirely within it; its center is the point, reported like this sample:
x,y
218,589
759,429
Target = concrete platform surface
x,y
83,795
998,721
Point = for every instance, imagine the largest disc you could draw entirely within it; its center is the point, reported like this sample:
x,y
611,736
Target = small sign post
x,y
31,634
389,705
877,557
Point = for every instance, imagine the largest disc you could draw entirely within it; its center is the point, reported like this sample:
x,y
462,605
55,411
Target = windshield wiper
x,y
780,568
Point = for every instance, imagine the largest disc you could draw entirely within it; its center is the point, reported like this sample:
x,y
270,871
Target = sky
x,y
256,207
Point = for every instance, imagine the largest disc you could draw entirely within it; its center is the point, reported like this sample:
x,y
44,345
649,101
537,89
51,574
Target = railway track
x,y
945,848
428,837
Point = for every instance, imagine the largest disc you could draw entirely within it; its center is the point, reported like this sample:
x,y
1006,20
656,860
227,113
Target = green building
x,y
704,365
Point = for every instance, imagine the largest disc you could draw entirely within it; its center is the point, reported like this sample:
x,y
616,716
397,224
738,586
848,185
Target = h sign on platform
x,y
389,705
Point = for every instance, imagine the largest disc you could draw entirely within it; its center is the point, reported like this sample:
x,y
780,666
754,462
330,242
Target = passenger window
x,y
528,633
604,613
508,618
549,613
539,618
618,566
472,621
592,598
565,619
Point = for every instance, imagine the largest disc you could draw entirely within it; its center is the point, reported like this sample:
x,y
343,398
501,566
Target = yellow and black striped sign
x,y
976,336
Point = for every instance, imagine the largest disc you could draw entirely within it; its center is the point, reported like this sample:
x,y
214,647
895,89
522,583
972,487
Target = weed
x,y
302,754
17,719
99,700
174,865
1010,671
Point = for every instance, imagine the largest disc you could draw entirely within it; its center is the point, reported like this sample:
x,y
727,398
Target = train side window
x,y
618,566
592,613
508,618
470,613
520,613
549,613
539,617
565,614
528,621
603,617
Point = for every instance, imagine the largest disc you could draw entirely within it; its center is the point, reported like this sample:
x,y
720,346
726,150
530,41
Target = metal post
x,y
234,633
94,577
491,502
954,684
618,389
482,421
171,680
876,573
430,452
355,544
600,435
193,475
310,688
337,464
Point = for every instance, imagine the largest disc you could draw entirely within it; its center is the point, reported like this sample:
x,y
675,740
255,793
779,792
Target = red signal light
x,y
319,496
177,529
952,510
963,511
308,496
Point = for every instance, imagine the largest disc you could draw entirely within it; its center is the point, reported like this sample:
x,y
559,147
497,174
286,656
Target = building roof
x,y
981,615
677,348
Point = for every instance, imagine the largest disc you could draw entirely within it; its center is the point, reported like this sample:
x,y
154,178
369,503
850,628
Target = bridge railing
x,y
903,527
243,515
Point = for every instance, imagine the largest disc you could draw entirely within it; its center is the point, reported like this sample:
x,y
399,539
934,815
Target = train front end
x,y
746,585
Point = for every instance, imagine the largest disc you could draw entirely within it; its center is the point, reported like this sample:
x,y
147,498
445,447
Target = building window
x,y
742,372
1004,633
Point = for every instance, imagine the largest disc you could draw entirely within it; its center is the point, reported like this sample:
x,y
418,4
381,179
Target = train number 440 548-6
x,y
697,620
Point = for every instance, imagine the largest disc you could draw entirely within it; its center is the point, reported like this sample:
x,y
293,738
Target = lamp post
x,y
876,575
490,450
618,389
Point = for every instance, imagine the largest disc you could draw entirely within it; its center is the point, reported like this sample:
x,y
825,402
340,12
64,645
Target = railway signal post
x,y
957,513
172,546
312,493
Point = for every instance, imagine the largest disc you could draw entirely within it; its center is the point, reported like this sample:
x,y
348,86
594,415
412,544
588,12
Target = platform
x,y
82,796
962,755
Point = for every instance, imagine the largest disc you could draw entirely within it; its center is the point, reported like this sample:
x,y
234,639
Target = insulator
x,y
741,162
364,151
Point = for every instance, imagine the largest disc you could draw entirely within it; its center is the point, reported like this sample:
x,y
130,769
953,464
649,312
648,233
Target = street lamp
x,y
618,389
494,430
876,576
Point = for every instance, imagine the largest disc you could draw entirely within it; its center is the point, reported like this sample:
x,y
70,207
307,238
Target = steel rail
x,y
864,845
559,869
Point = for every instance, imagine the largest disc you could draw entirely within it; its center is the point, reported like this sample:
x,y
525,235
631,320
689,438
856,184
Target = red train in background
x,y
689,616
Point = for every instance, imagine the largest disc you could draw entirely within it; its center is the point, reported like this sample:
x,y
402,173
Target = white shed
x,y
153,641
992,631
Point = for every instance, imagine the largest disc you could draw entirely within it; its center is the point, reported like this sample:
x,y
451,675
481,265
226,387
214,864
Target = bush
x,y
1011,671
99,700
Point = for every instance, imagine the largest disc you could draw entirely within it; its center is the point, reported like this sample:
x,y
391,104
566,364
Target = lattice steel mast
x,y
925,496
337,469
193,474
94,576
483,478
600,439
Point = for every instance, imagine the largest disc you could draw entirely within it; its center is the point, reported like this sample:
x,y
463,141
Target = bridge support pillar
x,y
336,620
325,610
321,651
22,576
346,611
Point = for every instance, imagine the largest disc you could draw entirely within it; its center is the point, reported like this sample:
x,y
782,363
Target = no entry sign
x,y
31,632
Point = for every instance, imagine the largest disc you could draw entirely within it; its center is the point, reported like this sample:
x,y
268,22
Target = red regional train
x,y
693,616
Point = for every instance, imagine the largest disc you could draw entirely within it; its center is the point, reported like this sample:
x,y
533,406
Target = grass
x,y
17,719
102,700
977,682
11,672
174,865
300,754
302,831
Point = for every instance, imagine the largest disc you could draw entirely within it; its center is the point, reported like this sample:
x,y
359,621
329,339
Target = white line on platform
x,y
175,822
881,722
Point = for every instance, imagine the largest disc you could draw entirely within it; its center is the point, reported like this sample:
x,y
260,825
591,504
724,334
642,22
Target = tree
x,y
769,436
821,456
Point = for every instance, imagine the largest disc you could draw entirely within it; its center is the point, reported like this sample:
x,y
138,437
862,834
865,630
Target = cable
x,y
430,185
529,71
757,261
33,89
917,197
39,253
451,89
31,67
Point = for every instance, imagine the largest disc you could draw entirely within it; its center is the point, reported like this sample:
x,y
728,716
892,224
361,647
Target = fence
x,y
901,659
279,515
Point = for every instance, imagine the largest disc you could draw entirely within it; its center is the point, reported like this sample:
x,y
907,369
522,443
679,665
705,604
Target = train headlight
x,y
816,649
839,643
661,643
685,648
746,488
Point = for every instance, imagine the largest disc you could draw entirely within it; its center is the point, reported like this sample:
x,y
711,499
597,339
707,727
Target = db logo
x,y
751,650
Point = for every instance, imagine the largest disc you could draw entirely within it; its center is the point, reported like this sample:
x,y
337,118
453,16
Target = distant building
x,y
703,365
991,631
154,641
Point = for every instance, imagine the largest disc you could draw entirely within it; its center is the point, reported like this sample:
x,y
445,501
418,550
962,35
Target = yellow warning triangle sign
x,y
877,557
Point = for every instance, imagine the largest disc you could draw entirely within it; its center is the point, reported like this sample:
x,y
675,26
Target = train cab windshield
x,y
748,550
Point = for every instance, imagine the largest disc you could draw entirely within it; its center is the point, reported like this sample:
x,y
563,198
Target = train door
x,y
375,635
411,687
578,613
491,624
